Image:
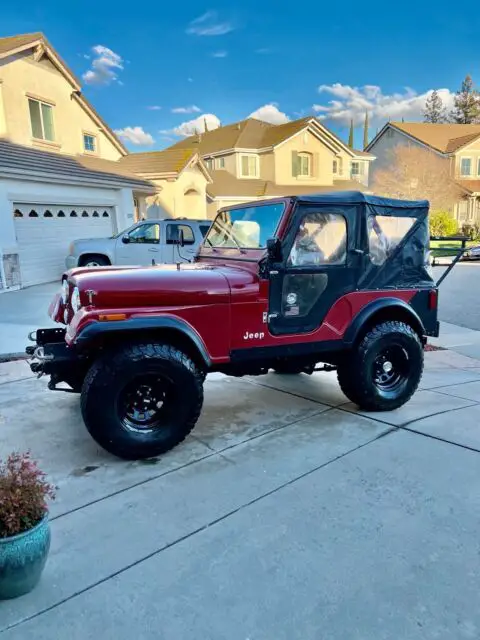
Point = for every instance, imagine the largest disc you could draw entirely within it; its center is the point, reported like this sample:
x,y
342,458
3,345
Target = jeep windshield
x,y
246,228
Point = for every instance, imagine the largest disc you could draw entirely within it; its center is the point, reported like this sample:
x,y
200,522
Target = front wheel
x,y
94,261
385,369
142,400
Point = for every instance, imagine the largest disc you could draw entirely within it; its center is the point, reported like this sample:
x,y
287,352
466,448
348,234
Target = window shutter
x,y
294,164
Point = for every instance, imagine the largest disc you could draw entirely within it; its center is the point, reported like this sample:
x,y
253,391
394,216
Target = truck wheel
x,y
141,400
384,371
94,260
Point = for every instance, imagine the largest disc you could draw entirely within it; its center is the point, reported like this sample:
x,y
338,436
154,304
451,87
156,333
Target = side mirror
x,y
274,250
125,239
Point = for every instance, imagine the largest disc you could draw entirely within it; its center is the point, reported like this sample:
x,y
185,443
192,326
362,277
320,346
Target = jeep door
x,y
321,261
140,245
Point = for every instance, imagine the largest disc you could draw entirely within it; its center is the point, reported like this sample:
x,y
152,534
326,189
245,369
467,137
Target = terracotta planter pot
x,y
22,559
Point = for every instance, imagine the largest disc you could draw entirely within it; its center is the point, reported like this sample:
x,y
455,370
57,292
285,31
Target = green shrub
x,y
442,223
472,231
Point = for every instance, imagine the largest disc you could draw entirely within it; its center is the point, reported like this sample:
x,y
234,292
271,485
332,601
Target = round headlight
x,y
65,291
76,304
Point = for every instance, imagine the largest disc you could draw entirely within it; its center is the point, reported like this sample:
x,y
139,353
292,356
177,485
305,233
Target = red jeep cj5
x,y
339,279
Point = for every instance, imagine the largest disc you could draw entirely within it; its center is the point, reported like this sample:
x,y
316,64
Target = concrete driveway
x,y
286,515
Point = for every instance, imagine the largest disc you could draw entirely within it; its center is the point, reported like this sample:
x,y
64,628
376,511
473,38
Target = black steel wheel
x,y
142,400
384,370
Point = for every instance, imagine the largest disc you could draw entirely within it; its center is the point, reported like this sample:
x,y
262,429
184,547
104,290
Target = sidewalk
x,y
459,339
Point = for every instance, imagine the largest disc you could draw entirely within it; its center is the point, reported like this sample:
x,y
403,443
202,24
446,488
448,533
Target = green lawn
x,y
441,248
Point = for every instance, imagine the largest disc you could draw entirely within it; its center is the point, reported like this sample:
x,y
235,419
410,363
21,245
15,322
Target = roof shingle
x,y
11,43
151,163
445,138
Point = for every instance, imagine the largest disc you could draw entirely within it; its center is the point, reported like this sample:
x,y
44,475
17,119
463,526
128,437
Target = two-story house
x,y
59,173
253,159
458,144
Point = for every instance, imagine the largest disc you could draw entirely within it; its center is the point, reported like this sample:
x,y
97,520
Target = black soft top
x,y
339,198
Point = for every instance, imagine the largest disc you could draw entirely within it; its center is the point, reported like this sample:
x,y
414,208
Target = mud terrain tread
x,y
352,375
102,371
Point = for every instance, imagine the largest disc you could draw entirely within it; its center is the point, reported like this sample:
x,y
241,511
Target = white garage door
x,y
44,233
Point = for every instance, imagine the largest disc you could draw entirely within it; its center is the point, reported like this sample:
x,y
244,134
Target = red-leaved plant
x,y
24,492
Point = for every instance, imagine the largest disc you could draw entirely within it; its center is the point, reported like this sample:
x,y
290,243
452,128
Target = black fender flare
x,y
372,308
94,330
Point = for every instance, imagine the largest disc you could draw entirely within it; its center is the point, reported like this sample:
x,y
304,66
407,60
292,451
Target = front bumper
x,y
51,355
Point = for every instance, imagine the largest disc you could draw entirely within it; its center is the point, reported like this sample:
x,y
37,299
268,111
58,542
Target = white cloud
x,y
219,54
194,126
135,135
191,109
105,66
351,103
208,24
154,107
270,113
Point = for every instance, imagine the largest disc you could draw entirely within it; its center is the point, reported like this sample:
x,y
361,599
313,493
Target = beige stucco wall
x,y
21,75
304,142
184,197
3,122
472,151
267,166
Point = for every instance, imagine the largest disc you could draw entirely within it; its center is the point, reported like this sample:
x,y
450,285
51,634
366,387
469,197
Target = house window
x,y
335,166
304,164
465,166
249,166
478,167
209,164
89,143
357,169
220,163
41,119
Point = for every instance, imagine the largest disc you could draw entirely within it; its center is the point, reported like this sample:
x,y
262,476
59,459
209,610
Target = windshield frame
x,y
254,205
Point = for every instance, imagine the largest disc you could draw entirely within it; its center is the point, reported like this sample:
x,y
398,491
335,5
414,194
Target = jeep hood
x,y
161,286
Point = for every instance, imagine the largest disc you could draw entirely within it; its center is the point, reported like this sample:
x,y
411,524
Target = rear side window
x,y
384,235
204,228
173,233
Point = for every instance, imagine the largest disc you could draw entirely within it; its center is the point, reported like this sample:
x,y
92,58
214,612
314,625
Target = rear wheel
x,y
94,261
384,371
142,400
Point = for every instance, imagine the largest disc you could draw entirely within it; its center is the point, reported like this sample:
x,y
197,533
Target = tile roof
x,y
30,160
224,184
445,138
171,160
14,42
470,185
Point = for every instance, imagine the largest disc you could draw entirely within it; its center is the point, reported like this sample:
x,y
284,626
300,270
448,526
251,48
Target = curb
x,y
10,357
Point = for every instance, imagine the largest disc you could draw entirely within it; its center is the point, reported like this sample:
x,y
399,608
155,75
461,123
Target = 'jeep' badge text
x,y
253,336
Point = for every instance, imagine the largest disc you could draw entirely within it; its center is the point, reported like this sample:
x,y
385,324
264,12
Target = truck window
x,y
246,228
173,233
145,234
204,228
321,239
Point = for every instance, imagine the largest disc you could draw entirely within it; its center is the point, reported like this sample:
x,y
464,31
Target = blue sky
x,y
230,59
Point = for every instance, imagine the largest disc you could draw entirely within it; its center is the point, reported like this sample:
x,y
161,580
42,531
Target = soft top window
x,y
246,228
384,235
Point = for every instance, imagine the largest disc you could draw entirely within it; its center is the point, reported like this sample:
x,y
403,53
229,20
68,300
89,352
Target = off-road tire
x,y
356,371
108,377
99,260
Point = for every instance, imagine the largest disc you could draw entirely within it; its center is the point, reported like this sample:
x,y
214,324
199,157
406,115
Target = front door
x,y
142,246
320,263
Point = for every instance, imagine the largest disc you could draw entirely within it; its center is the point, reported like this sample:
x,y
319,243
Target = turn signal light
x,y
112,316
433,299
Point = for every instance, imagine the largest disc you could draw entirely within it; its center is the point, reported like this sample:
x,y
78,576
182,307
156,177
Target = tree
x,y
414,173
350,135
467,104
365,131
434,111
442,223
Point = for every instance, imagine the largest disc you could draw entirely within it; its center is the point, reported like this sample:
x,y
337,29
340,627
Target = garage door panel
x,y
44,233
